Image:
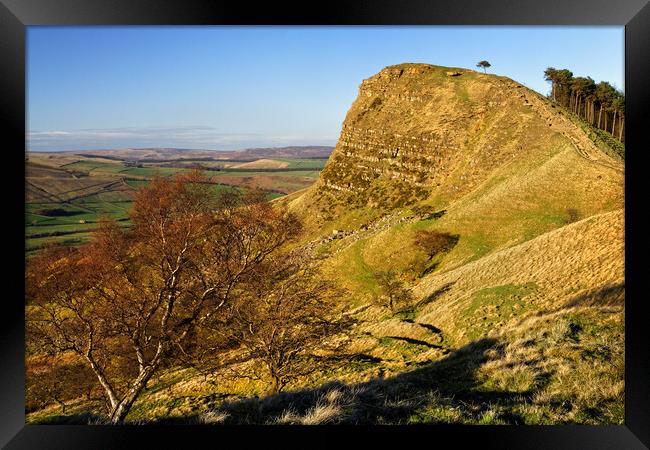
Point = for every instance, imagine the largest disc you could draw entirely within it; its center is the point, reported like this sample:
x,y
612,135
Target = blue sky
x,y
237,87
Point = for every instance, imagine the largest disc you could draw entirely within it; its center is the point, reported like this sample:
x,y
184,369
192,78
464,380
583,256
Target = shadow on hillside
x,y
435,295
608,295
84,418
451,381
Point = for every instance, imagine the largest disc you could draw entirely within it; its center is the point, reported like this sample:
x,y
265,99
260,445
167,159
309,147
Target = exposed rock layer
x,y
414,131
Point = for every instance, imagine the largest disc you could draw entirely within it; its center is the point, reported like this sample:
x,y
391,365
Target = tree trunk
x,y
568,99
275,385
620,129
61,404
593,112
600,114
579,105
276,381
120,411
614,123
110,393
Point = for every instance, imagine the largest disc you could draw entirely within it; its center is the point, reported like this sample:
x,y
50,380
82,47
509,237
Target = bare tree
x,y
393,290
129,301
287,313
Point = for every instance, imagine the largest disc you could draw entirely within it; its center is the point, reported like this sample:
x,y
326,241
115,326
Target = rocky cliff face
x,y
416,130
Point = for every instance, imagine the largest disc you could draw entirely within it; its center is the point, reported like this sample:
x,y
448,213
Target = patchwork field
x,y
66,194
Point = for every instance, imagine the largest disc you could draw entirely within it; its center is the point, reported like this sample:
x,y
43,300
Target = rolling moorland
x,y
517,319
67,192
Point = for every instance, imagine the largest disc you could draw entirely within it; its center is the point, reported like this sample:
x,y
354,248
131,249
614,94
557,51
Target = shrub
x,y
573,215
433,242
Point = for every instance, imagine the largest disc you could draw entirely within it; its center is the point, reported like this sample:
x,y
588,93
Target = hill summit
x,y
527,290
417,131
515,177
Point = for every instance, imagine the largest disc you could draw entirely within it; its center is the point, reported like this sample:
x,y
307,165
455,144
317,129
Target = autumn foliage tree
x,y
429,244
432,242
130,301
59,378
287,311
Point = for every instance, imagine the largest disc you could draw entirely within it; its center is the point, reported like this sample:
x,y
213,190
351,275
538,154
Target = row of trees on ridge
x,y
600,104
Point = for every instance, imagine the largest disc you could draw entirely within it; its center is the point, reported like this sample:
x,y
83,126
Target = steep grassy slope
x,y
512,173
502,162
579,264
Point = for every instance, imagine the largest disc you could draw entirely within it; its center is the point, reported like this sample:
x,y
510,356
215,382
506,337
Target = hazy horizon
x,y
228,88
177,148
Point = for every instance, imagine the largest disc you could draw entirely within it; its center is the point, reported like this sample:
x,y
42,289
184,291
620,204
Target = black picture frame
x,y
15,15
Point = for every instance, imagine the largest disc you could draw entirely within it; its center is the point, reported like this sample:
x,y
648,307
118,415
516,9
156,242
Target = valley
x,y
67,192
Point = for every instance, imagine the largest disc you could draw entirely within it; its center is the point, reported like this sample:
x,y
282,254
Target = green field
x,y
81,216
253,173
102,168
71,211
307,164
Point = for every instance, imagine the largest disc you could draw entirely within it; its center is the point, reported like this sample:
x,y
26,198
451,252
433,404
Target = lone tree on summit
x,y
483,64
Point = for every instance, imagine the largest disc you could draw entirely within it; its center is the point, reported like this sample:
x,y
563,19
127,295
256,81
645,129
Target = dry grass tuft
x,y
213,417
288,417
323,413
333,396
328,408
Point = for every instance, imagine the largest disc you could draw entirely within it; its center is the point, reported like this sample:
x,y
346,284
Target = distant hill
x,y
175,154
